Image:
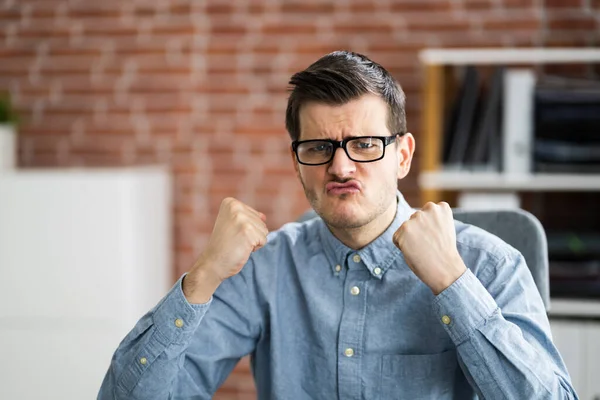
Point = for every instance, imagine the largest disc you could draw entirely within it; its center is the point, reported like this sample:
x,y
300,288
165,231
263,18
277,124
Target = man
x,y
370,301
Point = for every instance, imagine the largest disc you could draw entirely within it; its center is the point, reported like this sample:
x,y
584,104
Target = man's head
x,y
342,96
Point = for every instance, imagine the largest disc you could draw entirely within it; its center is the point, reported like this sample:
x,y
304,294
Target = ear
x,y
405,149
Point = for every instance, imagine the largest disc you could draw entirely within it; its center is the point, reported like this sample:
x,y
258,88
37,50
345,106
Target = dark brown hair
x,y
338,78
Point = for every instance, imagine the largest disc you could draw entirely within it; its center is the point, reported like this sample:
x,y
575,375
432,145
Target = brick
x,y
7,14
180,8
432,6
429,24
363,26
362,6
262,7
559,21
517,4
530,23
222,46
16,65
286,28
563,3
559,39
219,8
478,5
302,7
42,29
93,11
226,27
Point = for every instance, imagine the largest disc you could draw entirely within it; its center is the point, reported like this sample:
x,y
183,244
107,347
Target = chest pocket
x,y
419,376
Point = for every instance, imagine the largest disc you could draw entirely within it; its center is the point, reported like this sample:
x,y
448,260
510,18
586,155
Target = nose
x,y
341,165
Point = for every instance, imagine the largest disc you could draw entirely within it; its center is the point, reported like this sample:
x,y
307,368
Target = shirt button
x,y
356,258
446,319
377,271
338,268
179,323
355,291
143,360
349,352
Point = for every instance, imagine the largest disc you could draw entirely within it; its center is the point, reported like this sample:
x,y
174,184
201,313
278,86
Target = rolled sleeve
x,y
464,306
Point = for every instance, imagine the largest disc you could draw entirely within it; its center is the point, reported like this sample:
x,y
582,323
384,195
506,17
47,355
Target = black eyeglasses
x,y
359,149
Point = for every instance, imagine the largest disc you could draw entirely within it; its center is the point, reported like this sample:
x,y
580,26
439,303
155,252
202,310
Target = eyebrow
x,y
343,138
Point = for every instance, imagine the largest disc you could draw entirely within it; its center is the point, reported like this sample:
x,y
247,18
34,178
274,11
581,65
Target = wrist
x,y
200,284
454,270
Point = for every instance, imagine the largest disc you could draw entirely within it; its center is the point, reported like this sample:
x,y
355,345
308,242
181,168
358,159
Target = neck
x,y
358,238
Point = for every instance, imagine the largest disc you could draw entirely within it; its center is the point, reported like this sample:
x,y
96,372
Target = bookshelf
x,y
438,90
575,323
450,180
528,56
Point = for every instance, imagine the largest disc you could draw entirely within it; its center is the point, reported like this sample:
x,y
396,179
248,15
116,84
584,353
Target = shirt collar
x,y
378,256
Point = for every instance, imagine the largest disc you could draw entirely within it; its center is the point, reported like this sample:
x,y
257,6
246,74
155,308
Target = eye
x,y
363,144
322,147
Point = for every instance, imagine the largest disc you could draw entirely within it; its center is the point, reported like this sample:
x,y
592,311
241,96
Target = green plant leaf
x,y
7,113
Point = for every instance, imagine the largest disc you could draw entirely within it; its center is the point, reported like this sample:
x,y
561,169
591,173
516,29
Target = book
x,y
517,120
486,133
461,123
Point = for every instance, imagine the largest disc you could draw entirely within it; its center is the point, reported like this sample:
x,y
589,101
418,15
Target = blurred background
x,y
132,120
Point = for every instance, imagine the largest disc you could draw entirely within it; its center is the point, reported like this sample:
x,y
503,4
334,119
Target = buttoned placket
x,y
352,324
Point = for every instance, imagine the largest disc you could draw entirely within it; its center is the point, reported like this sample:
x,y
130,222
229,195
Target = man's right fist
x,y
239,230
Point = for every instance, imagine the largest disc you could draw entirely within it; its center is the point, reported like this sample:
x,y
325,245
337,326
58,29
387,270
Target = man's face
x,y
345,193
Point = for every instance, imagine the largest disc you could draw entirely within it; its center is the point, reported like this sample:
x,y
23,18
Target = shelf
x,y
574,308
508,56
493,181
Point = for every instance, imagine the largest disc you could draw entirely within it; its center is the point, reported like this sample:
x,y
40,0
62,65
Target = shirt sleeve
x,y
502,334
183,350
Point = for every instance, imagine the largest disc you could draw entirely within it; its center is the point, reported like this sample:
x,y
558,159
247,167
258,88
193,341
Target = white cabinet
x,y
83,255
593,361
569,338
576,333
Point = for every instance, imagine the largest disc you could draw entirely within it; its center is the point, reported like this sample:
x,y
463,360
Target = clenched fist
x,y
239,230
428,242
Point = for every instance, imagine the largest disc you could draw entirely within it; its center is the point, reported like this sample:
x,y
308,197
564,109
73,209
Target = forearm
x,y
200,283
507,354
505,365
147,361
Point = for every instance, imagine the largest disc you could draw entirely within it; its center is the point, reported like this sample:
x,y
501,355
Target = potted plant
x,y
8,134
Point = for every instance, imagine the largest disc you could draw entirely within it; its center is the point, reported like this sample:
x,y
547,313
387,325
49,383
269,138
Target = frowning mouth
x,y
337,188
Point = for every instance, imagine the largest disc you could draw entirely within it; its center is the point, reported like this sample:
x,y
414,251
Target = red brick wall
x,y
201,85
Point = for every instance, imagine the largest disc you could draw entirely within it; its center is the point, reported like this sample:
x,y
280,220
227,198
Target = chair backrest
x,y
519,228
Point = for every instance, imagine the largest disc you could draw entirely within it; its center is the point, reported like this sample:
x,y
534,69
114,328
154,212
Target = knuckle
x,y
429,205
229,203
247,230
444,205
238,217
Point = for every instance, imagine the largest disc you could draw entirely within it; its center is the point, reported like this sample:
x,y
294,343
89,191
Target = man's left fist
x,y
428,242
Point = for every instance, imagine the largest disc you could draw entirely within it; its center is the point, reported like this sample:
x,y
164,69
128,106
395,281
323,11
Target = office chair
x,y
519,228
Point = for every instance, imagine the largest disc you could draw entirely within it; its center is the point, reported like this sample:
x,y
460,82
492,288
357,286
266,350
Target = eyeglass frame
x,y
387,140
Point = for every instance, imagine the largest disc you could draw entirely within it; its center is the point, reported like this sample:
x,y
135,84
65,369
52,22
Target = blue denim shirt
x,y
322,321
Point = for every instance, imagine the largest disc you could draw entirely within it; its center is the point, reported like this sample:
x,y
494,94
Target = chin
x,y
343,216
